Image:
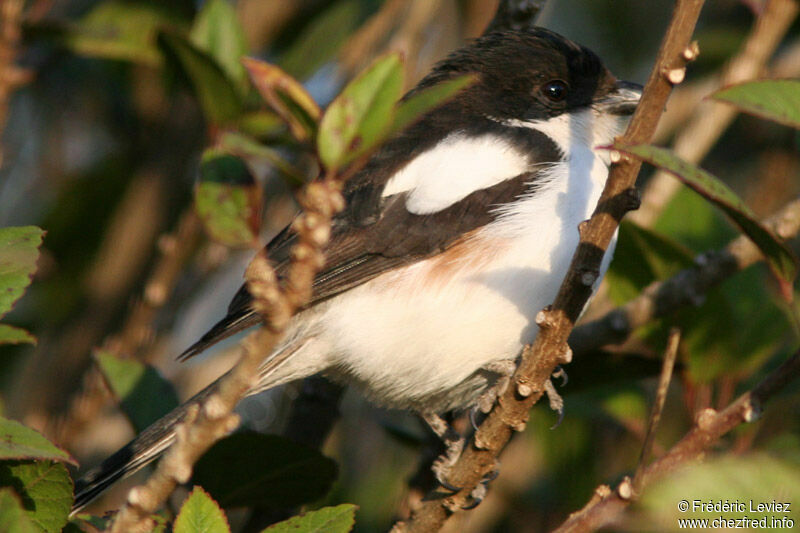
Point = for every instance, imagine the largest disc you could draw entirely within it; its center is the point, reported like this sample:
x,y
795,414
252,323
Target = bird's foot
x,y
553,397
479,493
454,445
504,368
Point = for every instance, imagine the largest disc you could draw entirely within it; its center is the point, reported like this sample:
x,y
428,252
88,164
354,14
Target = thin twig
x,y
685,100
711,119
213,418
607,505
175,250
658,404
555,322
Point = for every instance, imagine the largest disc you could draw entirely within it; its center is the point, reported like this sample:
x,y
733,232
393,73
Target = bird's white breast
x,y
416,336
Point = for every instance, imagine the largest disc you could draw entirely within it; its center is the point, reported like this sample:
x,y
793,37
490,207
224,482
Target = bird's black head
x,y
527,82
531,74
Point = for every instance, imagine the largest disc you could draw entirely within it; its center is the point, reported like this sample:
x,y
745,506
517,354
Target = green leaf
x,y
260,124
45,489
200,514
737,480
416,104
761,324
357,119
735,330
18,441
145,396
255,470
255,152
777,100
228,200
14,335
692,221
217,31
626,405
641,257
121,30
12,515
779,257
19,250
339,519
216,93
162,523
286,96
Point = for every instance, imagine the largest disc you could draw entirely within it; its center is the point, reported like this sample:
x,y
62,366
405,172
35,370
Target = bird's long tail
x,y
146,447
152,442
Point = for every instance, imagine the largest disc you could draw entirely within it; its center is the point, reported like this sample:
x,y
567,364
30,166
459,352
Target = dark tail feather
x,y
230,325
153,441
146,447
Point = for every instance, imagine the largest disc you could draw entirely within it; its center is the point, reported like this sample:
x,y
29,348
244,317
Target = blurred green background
x,y
102,150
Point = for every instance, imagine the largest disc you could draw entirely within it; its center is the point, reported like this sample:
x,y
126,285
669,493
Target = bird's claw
x,y
504,369
479,493
555,400
441,466
559,372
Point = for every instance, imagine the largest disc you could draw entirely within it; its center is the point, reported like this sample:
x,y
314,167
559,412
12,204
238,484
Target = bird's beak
x,y
622,100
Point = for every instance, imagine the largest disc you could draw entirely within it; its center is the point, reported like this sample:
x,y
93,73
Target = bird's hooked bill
x,y
623,100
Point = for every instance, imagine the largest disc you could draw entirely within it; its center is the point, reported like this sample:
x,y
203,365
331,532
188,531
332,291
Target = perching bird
x,y
455,234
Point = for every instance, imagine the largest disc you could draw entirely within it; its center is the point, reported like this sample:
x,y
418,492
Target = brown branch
x,y
213,418
175,250
555,322
606,505
658,404
687,287
685,100
711,119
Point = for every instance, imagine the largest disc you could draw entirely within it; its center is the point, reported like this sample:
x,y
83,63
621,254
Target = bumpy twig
x,y
606,505
555,322
685,100
670,355
213,418
711,119
687,287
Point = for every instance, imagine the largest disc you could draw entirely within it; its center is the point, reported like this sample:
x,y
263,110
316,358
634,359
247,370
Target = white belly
x,y
415,343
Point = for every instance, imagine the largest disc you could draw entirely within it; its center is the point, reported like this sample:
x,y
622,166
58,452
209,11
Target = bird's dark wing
x,y
358,253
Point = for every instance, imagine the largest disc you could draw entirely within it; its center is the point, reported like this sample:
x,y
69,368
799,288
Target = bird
x,y
456,232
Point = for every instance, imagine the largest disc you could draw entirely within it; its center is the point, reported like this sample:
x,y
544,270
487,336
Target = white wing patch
x,y
453,169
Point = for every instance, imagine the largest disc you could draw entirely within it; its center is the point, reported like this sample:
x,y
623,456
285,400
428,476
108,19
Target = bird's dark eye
x,y
555,90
